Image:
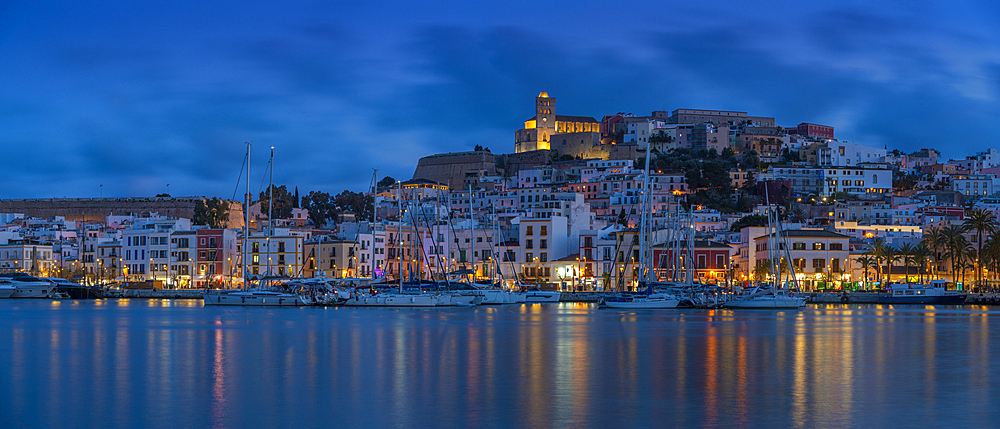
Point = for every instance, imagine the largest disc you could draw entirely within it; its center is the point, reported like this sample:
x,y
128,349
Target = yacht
x,y
253,297
391,299
651,301
767,299
933,293
6,288
26,286
538,295
75,290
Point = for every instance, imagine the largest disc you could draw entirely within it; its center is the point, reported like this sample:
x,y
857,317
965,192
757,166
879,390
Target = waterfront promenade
x,y
175,363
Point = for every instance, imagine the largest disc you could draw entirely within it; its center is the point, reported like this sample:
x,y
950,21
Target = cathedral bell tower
x,y
545,119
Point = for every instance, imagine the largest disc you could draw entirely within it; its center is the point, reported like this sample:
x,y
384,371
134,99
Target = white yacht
x,y
652,301
26,286
390,299
538,295
767,298
254,297
6,288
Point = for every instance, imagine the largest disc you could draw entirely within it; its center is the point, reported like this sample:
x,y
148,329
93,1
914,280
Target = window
x,y
798,246
836,246
819,263
479,239
202,241
529,230
543,244
818,246
720,261
529,244
529,257
545,230
544,257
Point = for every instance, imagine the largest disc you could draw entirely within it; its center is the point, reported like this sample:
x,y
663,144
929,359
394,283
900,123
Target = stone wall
x,y
96,209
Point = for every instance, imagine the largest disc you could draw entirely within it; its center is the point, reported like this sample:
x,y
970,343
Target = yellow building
x,y
541,128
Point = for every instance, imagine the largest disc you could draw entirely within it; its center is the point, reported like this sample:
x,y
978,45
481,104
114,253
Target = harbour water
x,y
174,363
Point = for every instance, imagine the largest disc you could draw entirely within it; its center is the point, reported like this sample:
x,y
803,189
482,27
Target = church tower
x,y
545,119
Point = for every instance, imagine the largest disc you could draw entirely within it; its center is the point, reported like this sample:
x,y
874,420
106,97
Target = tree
x,y
355,202
321,207
921,253
907,252
980,221
866,262
298,202
162,195
213,212
283,202
749,220
386,182
934,240
955,245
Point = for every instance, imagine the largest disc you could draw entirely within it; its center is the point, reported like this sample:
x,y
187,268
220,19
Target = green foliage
x,y
213,212
386,182
355,202
749,220
321,207
283,202
479,148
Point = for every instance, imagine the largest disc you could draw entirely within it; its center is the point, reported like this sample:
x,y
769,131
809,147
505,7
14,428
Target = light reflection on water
x,y
174,363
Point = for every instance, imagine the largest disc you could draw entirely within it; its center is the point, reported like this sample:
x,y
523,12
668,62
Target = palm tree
x,y
980,221
866,263
906,252
955,245
875,250
934,240
798,215
921,253
890,255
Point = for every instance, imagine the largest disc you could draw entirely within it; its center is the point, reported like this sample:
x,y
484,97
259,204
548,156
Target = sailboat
x,y
772,296
259,296
646,299
400,297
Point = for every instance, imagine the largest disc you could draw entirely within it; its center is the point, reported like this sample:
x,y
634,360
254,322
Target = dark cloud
x,y
340,92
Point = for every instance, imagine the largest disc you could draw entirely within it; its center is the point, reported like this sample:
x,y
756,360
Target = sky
x,y
123,98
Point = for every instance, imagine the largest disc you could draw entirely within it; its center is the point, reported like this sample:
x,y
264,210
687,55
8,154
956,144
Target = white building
x,y
857,180
846,154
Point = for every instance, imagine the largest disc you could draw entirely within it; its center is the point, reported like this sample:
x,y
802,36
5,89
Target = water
x,y
175,363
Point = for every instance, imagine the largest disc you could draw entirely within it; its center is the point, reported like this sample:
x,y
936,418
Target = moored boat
x,y
26,286
538,295
652,301
75,290
6,288
934,293
253,297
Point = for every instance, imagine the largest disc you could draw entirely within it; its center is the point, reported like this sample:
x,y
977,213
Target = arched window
x,y
874,179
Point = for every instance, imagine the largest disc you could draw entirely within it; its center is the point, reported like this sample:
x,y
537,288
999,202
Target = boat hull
x,y
496,297
766,303
32,290
644,304
393,301
924,300
6,292
81,292
541,296
252,299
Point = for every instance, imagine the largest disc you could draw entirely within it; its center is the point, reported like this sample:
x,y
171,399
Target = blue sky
x,y
138,95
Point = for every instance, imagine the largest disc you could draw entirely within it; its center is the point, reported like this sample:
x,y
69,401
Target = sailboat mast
x,y
371,263
399,235
472,218
270,208
246,226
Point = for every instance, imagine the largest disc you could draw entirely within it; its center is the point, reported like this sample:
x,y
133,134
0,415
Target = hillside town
x,y
564,211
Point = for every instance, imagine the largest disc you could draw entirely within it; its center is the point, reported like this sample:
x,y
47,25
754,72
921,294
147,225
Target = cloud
x,y
338,95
